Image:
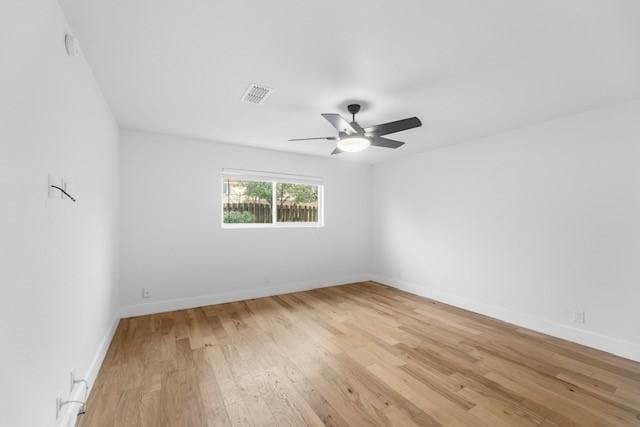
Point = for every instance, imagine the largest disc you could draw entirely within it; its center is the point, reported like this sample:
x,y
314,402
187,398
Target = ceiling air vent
x,y
256,94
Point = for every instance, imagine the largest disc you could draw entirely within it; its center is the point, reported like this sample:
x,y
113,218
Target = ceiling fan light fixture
x,y
353,144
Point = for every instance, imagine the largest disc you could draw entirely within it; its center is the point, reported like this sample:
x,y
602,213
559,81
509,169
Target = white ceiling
x,y
466,68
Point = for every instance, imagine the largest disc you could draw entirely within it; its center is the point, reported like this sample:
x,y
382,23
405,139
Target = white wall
x,y
58,295
527,225
172,240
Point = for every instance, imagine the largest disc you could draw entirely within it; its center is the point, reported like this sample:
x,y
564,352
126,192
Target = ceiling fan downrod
x,y
353,109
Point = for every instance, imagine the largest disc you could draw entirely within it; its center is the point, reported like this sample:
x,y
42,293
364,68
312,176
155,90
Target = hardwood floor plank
x,y
355,355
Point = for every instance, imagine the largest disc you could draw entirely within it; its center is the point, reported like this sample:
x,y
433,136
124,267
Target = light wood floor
x,y
361,354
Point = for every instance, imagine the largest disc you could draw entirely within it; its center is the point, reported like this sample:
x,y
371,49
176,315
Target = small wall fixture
x,y
63,192
60,403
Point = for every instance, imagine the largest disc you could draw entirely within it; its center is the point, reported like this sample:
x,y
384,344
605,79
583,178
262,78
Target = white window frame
x,y
273,178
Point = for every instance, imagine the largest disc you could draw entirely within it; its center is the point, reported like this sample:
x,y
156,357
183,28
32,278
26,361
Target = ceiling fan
x,y
352,137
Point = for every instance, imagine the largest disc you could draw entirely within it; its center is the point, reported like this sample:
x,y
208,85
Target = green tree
x,y
258,191
296,193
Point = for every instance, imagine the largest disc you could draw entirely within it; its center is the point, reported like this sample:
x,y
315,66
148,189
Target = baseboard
x,y
68,419
617,346
235,295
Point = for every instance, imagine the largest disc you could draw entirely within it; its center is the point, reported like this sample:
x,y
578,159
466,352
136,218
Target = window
x,y
296,202
264,199
247,202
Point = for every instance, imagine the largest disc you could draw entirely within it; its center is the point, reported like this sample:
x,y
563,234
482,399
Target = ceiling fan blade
x,y
336,151
328,138
338,122
393,127
378,141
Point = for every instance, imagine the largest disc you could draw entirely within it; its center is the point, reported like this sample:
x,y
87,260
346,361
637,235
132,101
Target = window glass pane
x,y
297,202
246,202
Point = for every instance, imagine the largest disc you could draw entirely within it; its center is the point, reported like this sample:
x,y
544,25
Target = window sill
x,y
277,225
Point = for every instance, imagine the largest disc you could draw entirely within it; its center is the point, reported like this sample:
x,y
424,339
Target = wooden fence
x,y
286,213
297,213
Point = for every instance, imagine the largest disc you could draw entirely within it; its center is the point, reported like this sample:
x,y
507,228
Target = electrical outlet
x,y
146,293
578,317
